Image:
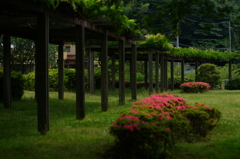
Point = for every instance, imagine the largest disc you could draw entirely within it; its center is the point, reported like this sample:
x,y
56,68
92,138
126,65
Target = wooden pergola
x,y
44,25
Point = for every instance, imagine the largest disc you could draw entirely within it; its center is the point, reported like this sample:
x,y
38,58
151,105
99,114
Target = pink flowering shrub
x,y
154,124
195,87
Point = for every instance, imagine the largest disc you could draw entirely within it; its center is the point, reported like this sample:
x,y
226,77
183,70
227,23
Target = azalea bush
x,y
195,87
155,124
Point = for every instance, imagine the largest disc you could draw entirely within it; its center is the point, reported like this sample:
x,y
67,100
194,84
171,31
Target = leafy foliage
x,y
93,9
195,87
233,84
155,124
17,85
210,74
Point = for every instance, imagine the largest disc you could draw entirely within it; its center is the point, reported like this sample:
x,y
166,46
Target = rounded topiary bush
x,y
209,73
155,124
194,87
17,85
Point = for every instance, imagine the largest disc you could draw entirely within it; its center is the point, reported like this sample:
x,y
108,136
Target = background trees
x,y
23,54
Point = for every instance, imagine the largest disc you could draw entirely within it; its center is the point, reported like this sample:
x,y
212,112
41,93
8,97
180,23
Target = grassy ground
x,y
69,138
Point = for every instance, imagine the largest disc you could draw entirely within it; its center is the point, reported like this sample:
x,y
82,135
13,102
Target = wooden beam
x,y
113,72
146,74
150,75
80,64
133,72
157,71
91,71
104,72
60,72
29,4
182,71
230,70
162,72
196,67
41,74
121,72
7,71
165,74
172,75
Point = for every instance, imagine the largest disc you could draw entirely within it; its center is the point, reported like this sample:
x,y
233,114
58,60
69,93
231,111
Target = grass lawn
x,y
70,138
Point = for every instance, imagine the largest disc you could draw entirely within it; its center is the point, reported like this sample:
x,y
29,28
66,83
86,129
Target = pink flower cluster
x,y
195,87
164,117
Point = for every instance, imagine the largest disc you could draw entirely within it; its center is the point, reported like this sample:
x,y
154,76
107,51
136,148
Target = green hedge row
x,y
17,85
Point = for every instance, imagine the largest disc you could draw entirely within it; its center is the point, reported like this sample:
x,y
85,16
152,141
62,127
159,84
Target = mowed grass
x,y
70,138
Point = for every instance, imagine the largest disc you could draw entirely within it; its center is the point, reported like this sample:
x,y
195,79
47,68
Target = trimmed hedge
x,y
17,85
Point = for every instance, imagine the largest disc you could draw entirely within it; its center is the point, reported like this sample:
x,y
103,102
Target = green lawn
x,y
70,138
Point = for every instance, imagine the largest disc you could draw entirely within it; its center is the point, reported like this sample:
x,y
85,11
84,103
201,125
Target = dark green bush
x,y
17,83
233,84
209,73
178,81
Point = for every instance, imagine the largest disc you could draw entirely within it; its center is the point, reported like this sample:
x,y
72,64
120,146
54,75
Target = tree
x,y
23,54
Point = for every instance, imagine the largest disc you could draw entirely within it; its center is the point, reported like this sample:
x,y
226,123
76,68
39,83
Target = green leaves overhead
x,y
93,9
159,41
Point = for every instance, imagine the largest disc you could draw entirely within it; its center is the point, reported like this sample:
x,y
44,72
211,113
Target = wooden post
x,y
165,74
146,74
91,71
172,75
230,70
182,71
162,72
80,64
196,72
104,72
60,72
113,72
150,77
133,72
41,73
7,71
157,71
121,72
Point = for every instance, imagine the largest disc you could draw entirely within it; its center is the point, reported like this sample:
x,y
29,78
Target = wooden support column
x,y
182,71
230,70
165,74
172,75
91,71
104,72
41,73
157,71
196,67
150,77
7,71
121,72
80,64
146,74
60,72
162,72
113,72
133,72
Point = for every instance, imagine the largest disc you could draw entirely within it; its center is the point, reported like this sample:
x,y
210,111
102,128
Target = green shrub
x,y
210,74
233,84
195,87
29,81
178,81
17,85
155,124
